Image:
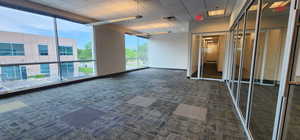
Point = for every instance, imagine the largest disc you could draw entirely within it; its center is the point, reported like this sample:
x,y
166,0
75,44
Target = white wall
x,y
169,51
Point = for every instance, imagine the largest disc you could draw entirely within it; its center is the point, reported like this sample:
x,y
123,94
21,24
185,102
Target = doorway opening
x,y
207,56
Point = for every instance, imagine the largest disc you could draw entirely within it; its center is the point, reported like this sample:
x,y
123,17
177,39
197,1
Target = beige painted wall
x,y
110,49
212,51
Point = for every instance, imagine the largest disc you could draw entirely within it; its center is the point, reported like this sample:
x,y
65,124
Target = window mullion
x,y
57,49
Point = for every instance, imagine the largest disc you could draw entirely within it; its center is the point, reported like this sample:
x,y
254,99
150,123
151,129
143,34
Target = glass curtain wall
x,y
261,53
29,54
75,44
26,38
136,52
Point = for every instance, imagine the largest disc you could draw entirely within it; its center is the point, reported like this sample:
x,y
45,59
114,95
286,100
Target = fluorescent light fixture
x,y
160,33
153,33
279,4
115,20
210,41
254,7
216,12
152,26
208,38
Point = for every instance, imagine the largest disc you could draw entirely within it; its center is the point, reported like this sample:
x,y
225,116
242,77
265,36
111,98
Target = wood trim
x,y
294,83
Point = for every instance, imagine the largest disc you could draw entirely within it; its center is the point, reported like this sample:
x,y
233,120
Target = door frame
x,y
287,65
199,54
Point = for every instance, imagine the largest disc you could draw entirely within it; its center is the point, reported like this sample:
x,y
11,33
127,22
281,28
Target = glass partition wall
x,y
257,50
37,50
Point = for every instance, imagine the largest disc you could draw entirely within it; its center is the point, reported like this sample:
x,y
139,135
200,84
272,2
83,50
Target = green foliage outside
x,y
137,57
86,53
39,76
131,54
86,70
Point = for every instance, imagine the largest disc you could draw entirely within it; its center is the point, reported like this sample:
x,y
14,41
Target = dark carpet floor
x,y
134,106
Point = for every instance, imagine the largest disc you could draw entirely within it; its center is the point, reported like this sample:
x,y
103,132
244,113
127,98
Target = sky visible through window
x,y
25,22
30,23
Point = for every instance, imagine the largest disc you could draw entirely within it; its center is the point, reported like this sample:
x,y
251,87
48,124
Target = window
x,y
11,49
37,33
9,73
17,49
65,50
79,37
5,49
18,30
45,70
67,69
136,52
43,50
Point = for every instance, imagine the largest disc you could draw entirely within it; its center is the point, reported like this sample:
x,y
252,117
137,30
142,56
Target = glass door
x,y
292,126
207,56
211,56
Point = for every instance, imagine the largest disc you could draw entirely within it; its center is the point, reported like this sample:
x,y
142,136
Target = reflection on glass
x,y
271,41
233,67
238,48
142,52
136,52
292,129
247,58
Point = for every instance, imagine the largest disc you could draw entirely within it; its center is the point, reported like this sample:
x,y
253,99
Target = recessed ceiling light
x,y
254,7
279,4
216,12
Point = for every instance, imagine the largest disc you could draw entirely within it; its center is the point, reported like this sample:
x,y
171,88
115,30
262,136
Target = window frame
x,y
42,50
13,49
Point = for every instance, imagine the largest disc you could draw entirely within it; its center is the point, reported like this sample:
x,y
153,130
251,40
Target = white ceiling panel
x,y
151,10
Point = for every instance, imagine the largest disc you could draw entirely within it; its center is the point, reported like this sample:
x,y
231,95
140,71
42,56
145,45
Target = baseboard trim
x,y
168,68
59,84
